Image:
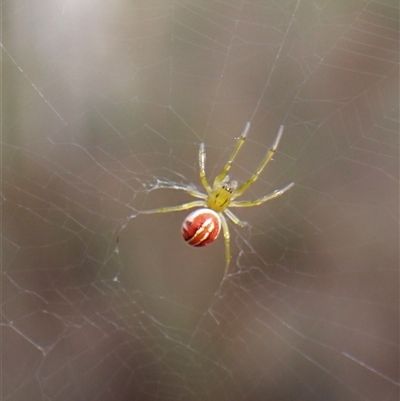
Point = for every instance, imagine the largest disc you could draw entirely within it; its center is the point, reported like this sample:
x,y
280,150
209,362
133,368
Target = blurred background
x,y
105,105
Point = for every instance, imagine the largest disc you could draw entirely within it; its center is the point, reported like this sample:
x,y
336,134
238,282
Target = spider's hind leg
x,y
235,219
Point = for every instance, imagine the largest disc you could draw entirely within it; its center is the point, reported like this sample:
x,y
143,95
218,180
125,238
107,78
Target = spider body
x,y
219,198
202,226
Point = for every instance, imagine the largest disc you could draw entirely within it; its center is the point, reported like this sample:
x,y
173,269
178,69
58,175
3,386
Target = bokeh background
x,y
104,107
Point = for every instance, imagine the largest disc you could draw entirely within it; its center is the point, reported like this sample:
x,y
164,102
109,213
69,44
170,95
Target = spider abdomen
x,y
201,227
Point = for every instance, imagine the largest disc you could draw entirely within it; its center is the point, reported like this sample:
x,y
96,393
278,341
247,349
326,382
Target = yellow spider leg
x,y
225,229
195,193
191,190
267,158
202,168
185,206
234,218
220,178
272,195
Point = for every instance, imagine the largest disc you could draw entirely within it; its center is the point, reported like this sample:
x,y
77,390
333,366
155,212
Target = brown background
x,y
104,107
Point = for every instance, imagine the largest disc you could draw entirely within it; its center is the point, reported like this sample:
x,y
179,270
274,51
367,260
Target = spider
x,y
202,226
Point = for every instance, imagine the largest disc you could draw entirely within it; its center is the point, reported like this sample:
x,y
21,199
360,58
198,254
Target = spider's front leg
x,y
267,158
202,168
221,177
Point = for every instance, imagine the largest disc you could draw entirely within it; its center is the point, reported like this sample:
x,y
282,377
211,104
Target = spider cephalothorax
x,y
203,226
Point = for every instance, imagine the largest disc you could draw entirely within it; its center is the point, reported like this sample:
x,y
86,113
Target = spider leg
x,y
220,178
234,218
195,193
271,151
202,168
272,195
227,239
185,206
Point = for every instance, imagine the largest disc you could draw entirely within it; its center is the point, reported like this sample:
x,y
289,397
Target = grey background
x,y
104,107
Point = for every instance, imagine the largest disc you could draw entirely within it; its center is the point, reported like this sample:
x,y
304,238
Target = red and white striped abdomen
x,y
201,227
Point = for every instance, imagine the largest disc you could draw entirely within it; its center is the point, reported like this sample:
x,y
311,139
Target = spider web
x,y
104,107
